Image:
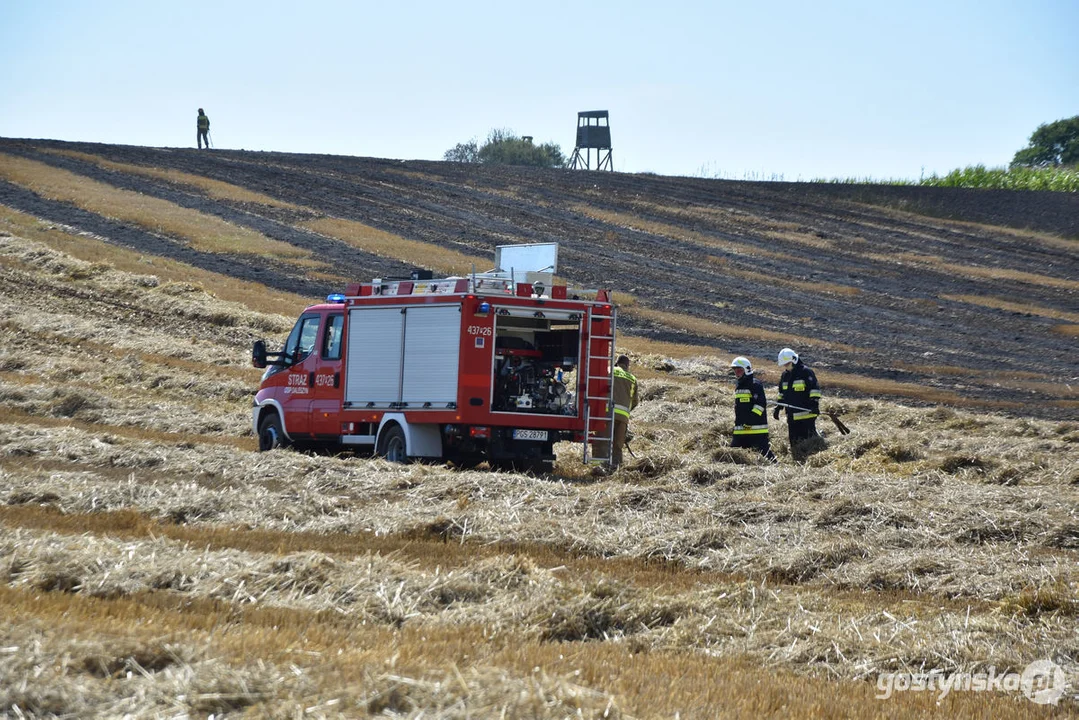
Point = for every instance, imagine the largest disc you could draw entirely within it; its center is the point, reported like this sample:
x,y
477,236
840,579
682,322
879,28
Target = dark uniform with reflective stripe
x,y
751,417
798,387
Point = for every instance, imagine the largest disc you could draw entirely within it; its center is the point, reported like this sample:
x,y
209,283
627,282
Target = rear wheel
x,y
271,434
467,462
392,445
535,466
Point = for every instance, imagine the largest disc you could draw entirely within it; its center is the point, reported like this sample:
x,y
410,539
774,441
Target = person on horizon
x,y
800,394
203,125
750,410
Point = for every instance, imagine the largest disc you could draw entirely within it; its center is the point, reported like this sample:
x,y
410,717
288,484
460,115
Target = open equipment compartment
x,y
535,358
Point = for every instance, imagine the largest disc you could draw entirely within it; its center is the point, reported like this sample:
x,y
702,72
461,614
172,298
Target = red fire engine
x,y
495,367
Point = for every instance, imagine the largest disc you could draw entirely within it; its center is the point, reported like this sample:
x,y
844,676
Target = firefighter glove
x,y
775,413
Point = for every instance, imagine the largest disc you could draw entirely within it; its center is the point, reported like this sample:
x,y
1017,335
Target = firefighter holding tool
x,y
800,394
202,125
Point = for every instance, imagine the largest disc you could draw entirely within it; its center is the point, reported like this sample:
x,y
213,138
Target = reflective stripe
x,y
814,393
803,416
621,410
750,429
743,393
799,385
758,409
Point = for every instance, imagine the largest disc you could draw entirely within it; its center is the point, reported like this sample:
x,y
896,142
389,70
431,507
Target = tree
x,y
463,152
1054,144
503,147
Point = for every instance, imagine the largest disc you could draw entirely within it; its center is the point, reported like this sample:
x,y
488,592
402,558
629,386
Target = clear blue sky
x,y
798,89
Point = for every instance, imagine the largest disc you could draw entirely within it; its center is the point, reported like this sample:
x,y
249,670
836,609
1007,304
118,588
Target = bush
x,y
505,148
467,152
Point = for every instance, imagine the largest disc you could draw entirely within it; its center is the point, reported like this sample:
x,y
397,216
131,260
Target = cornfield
x,y
1016,178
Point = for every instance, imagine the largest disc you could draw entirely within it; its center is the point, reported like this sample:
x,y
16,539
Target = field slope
x,y
153,563
881,302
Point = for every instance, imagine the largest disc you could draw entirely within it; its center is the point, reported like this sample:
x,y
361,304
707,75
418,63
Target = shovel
x,y
832,415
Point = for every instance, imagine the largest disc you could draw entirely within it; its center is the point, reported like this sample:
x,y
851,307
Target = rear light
x,y
479,432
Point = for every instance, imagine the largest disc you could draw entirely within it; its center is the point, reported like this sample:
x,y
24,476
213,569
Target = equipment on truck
x,y
495,366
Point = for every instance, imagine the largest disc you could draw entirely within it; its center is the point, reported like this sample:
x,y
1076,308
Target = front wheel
x,y
392,445
271,434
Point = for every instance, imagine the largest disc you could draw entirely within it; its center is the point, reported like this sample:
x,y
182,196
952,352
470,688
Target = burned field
x,y
887,302
152,563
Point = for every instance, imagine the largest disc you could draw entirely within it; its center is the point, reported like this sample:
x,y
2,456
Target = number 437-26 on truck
x,y
495,367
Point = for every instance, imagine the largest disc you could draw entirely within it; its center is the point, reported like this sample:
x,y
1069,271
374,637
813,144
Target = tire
x,y
271,434
531,466
392,445
467,462
537,467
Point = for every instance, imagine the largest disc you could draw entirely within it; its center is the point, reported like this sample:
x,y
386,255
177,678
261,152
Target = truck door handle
x,y
310,379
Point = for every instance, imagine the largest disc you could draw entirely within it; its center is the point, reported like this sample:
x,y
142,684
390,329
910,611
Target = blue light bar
x,y
336,298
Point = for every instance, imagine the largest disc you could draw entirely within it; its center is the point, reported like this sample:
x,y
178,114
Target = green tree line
x,y
1052,144
1050,161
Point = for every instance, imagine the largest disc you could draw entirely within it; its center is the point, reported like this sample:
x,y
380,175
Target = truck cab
x,y
304,386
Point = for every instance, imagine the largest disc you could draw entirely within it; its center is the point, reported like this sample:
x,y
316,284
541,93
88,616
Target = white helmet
x,y
786,355
741,362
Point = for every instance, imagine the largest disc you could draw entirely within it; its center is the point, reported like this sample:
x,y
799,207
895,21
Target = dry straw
x,y
926,539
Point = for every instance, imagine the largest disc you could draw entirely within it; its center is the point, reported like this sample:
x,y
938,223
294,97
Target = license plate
x,y
529,434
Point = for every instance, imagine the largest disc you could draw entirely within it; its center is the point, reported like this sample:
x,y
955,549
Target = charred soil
x,y
981,306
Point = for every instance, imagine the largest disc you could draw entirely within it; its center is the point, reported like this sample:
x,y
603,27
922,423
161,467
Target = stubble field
x,y
152,563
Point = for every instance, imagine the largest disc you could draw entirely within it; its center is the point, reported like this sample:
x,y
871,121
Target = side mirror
x,y
258,354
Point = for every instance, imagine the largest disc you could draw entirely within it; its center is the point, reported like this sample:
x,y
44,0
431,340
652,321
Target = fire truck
x,y
495,366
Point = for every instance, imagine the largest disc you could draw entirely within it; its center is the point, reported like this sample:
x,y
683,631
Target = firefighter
x,y
203,125
750,410
625,399
799,392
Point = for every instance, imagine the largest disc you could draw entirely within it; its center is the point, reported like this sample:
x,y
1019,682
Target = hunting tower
x,y
593,133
